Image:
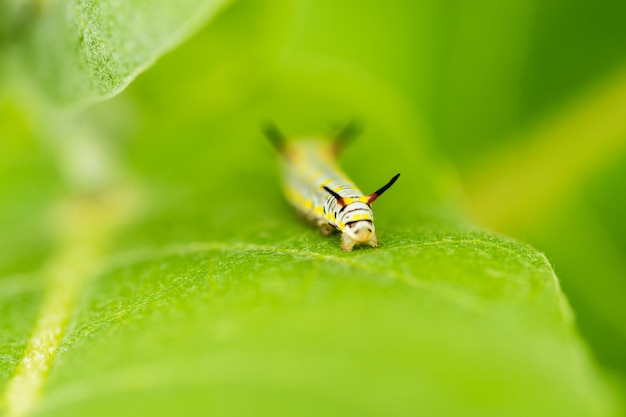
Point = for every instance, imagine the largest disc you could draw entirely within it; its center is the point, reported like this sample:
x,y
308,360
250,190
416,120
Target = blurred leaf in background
x,y
148,264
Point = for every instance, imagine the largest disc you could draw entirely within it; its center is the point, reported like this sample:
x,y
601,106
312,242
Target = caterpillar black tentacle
x,y
316,186
275,136
345,135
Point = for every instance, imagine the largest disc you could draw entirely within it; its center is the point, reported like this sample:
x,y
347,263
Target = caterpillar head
x,y
360,231
357,219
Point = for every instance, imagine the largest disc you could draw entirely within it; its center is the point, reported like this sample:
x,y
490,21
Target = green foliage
x,y
148,262
85,50
295,327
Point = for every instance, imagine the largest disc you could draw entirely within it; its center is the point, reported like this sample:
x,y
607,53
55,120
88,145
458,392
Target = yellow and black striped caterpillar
x,y
316,186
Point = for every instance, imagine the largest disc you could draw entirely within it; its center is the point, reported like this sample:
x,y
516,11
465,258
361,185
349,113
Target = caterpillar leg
x,y
326,229
347,243
374,241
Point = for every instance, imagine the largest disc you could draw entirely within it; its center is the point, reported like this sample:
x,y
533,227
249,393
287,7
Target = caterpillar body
x,y
315,185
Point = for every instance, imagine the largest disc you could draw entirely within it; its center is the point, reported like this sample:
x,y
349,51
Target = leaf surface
x,y
185,285
81,51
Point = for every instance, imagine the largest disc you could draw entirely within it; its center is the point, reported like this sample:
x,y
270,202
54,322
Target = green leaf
x,y
86,50
297,327
217,299
182,284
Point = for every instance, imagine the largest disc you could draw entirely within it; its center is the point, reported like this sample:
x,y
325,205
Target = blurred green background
x,y
507,115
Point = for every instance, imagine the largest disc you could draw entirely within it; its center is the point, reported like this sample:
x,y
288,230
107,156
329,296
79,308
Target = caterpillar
x,y
315,185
